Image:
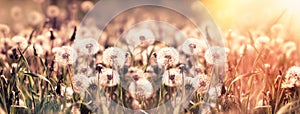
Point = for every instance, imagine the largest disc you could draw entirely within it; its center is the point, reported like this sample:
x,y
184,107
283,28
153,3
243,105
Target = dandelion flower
x,y
141,89
87,6
215,55
52,11
201,83
20,41
65,55
109,77
172,78
114,56
292,78
193,46
80,83
87,46
168,56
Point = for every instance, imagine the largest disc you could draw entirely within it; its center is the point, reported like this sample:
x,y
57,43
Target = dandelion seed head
x,y
261,42
80,83
201,83
93,83
52,11
114,56
87,6
109,77
168,56
16,13
140,37
215,55
4,29
35,18
141,89
172,78
87,46
193,46
292,78
20,42
84,69
65,55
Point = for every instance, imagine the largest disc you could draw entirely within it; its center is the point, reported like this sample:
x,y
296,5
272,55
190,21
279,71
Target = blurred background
x,y
237,15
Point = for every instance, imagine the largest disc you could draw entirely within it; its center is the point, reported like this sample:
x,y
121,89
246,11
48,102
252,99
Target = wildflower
x,y
86,6
215,55
109,77
201,83
114,56
16,13
65,55
80,83
292,78
141,89
261,42
87,46
168,56
172,77
193,46
34,18
52,11
88,32
140,37
20,41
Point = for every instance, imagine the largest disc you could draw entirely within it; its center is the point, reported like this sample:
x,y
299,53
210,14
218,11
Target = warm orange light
x,y
291,5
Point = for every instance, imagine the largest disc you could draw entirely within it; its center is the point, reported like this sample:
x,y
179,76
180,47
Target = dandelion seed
x,y
201,83
292,78
87,46
193,46
141,89
140,37
65,55
86,6
215,55
52,11
172,78
109,77
114,56
80,83
168,56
